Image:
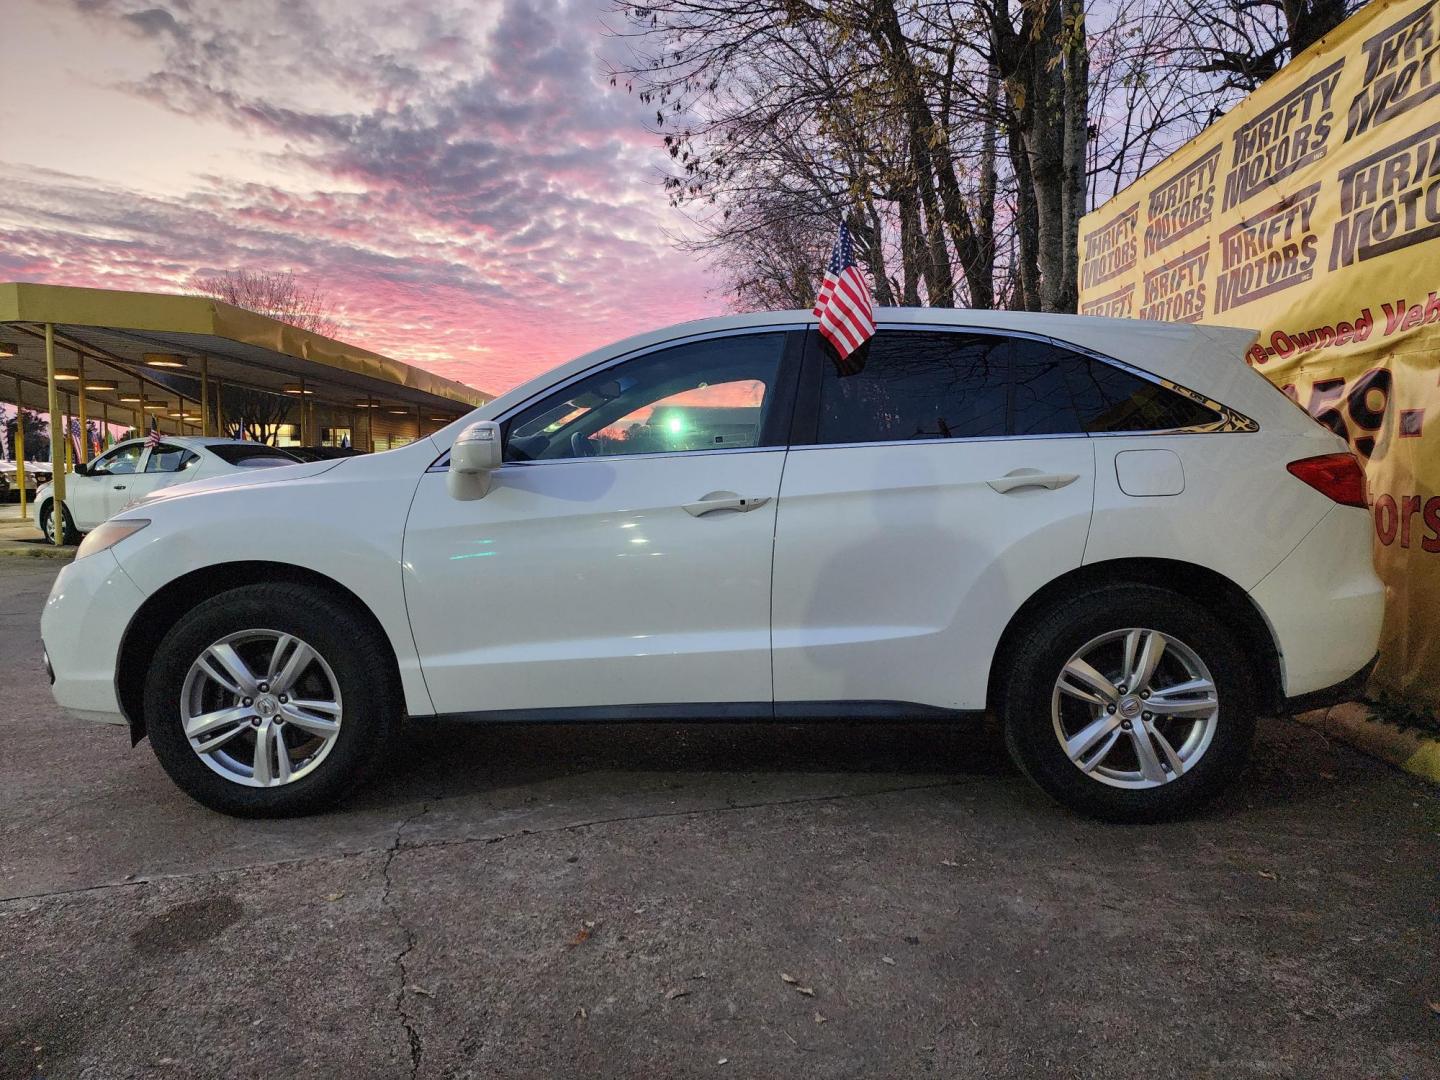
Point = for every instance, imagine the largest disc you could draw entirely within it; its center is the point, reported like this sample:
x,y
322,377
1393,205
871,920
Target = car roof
x,y
190,442
1179,351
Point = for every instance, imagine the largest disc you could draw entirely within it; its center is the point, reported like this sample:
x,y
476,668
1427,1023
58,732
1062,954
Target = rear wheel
x,y
1130,703
270,700
47,524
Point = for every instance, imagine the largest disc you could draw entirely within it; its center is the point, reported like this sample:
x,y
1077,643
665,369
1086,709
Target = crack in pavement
x,y
395,847
416,1048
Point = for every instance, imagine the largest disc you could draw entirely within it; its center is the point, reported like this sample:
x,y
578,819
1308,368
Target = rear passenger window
x,y
903,385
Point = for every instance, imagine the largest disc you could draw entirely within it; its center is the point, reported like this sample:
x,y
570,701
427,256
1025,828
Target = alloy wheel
x,y
261,708
1135,708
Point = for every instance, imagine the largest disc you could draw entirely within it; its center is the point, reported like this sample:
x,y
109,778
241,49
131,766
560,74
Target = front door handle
x,y
1027,478
119,487
724,500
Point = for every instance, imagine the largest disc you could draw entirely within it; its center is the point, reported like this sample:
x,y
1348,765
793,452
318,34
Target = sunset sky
x,y
455,174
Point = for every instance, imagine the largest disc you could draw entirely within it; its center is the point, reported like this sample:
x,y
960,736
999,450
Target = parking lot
x,y
727,900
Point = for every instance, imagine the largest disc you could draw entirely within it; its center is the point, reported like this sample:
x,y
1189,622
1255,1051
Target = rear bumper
x,y
1345,690
1324,604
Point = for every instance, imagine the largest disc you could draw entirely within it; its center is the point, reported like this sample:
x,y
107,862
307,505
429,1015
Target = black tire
x,y
1046,645
354,650
47,524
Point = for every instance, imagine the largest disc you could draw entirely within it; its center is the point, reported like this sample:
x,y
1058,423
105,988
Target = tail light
x,y
1337,476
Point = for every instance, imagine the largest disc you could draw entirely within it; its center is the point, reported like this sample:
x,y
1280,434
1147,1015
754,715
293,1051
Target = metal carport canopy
x,y
88,337
237,347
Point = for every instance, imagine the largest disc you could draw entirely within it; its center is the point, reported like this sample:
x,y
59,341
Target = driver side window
x,y
123,459
705,395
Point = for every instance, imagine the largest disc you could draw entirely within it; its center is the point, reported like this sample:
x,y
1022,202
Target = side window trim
x,y
775,426
804,433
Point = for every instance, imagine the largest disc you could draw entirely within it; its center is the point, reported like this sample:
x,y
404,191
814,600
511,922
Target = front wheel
x,y
1129,703
47,524
270,700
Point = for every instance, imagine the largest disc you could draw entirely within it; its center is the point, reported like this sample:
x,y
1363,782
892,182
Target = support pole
x,y
84,428
20,445
57,472
205,395
220,429
69,442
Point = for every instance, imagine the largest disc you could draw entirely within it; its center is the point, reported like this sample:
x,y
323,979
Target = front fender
x,y
343,524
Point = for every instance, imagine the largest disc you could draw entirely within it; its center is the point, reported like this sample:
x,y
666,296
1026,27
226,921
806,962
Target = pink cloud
x,y
470,195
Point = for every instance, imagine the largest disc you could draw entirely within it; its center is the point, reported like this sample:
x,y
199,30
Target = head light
x,y
109,534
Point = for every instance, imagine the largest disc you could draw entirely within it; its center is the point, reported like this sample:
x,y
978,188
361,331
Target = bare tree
x,y
254,414
276,294
1244,42
962,139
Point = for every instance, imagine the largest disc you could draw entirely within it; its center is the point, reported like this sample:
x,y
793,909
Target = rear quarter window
x,y
1059,391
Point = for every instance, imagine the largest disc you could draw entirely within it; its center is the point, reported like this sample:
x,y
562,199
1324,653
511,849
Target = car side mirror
x,y
475,455
83,468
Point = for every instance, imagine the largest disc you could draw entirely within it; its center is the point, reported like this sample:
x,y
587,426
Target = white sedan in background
x,y
1114,536
130,470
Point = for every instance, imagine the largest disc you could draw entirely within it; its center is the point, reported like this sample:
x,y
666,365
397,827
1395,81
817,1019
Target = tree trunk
x,y
1076,67
1027,225
910,255
1034,65
985,211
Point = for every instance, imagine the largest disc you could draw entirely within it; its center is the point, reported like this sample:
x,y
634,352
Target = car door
x,y
620,563
164,464
934,484
91,496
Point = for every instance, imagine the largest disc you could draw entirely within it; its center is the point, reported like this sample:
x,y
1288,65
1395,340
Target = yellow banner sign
x,y
1312,212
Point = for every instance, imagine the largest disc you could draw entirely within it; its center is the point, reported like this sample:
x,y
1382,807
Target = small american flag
x,y
844,308
153,439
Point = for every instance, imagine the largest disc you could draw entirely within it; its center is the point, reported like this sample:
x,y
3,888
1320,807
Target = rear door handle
x,y
119,487
724,500
1027,478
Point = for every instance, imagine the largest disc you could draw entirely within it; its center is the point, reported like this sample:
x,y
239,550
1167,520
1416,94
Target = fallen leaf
x,y
1434,1006
887,960
421,990
676,992
581,1014
821,1019
948,862
581,936
723,1061
332,897
590,924
1267,875
806,990
788,978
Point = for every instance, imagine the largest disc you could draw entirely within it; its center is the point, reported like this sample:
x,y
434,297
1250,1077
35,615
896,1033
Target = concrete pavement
x,y
625,901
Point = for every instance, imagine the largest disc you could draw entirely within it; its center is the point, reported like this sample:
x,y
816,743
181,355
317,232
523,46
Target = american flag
x,y
846,314
75,438
153,439
5,434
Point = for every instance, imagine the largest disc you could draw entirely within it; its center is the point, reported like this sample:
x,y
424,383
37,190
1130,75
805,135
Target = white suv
x,y
1112,535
